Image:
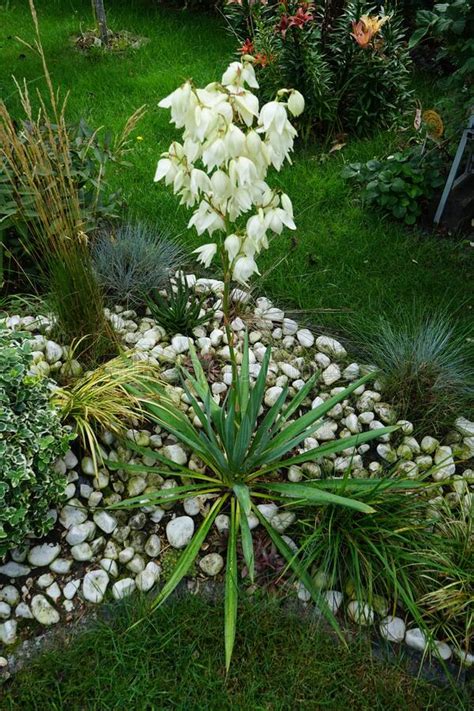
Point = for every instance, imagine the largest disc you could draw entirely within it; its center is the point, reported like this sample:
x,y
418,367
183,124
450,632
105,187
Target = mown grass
x,y
343,261
174,660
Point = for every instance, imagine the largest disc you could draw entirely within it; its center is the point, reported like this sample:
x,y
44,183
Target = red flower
x,y
247,47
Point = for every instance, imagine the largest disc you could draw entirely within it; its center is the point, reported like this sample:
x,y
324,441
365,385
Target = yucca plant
x,y
102,400
243,451
180,310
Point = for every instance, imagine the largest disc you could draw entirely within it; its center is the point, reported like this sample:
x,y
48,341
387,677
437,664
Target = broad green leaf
x,y
300,572
189,554
310,494
231,588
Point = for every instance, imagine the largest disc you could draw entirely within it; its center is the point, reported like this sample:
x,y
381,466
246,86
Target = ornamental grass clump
x,y
132,260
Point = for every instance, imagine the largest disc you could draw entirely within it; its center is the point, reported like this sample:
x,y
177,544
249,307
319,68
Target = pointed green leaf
x,y
311,494
231,588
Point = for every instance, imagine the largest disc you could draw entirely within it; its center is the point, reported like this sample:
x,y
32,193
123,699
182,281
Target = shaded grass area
x,y
174,660
342,262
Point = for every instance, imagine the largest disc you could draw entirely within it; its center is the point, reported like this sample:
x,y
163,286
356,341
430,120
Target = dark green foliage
x,y
173,660
31,439
346,87
426,362
87,162
385,554
180,310
76,299
451,26
134,259
402,184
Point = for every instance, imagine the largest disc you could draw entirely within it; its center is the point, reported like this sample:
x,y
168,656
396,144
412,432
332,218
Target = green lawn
x,y
174,660
343,263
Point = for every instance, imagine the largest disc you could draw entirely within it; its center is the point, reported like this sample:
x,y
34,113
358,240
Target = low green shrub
x,y
133,260
402,184
31,439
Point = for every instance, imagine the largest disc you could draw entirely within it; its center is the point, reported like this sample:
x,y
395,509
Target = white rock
x,y
5,610
8,632
464,657
334,600
176,453
327,431
43,611
45,580
290,371
71,589
415,638
61,566
429,444
80,533
14,570
9,594
268,511
289,327
123,588
305,337
70,459
282,521
82,552
179,531
53,352
180,344
40,556
351,372
94,585
295,474
222,523
148,577
464,427
54,592
191,506
153,546
302,593
331,374
73,513
330,347
272,395
360,612
444,464
105,521
442,650
110,566
211,564
23,611
392,628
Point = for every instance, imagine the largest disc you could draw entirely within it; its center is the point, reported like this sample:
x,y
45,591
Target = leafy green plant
x,y
401,184
380,559
39,165
243,452
181,310
425,363
32,437
451,25
100,400
348,85
134,259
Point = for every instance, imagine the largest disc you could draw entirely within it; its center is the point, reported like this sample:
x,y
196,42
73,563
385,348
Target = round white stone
x,y
8,632
123,588
42,555
43,611
94,585
179,531
392,629
360,612
211,564
105,521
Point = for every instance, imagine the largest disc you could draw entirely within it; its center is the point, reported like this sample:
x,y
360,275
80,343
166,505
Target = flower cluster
x,y
229,143
302,17
367,28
